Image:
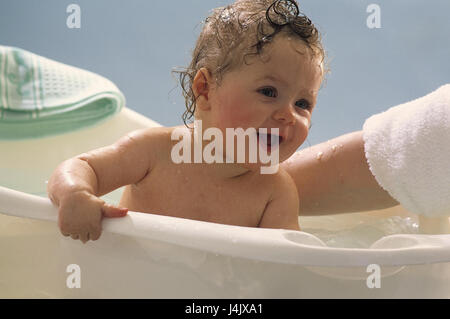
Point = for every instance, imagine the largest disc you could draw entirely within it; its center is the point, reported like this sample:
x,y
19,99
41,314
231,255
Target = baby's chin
x,y
274,156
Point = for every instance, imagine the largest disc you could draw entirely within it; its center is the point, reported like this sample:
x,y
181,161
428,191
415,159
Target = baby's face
x,y
278,90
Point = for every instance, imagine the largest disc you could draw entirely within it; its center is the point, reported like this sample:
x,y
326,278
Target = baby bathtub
x,y
152,256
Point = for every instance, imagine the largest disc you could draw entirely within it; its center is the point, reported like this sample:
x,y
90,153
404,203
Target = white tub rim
x,y
270,245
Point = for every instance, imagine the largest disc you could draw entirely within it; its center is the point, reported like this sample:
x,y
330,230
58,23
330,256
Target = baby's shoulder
x,y
157,139
279,178
154,132
279,182
160,135
282,208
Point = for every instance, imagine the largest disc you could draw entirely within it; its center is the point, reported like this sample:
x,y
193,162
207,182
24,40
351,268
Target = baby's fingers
x,y
112,211
84,237
94,234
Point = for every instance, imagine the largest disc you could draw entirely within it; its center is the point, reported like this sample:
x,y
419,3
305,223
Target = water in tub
x,y
356,230
362,231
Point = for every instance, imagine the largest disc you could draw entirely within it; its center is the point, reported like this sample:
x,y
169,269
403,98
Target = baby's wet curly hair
x,y
242,29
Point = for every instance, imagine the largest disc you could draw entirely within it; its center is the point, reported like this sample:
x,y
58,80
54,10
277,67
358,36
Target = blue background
x,y
136,44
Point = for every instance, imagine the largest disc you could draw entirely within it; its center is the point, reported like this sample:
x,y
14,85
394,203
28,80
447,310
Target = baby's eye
x,y
269,92
303,104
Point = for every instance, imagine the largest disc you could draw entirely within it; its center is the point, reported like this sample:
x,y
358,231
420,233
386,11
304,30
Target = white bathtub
x,y
151,256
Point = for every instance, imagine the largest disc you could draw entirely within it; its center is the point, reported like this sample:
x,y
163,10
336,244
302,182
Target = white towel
x,y
408,151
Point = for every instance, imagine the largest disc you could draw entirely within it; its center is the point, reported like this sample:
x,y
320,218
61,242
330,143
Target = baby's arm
x,y
334,177
76,184
281,212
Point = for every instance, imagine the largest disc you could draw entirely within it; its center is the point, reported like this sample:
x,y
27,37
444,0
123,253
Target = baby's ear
x,y
202,86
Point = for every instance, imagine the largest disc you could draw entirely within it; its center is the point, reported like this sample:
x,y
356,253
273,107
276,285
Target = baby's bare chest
x,y
184,193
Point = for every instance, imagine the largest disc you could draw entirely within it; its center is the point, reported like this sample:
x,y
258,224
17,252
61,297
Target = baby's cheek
x,y
300,132
303,131
306,121
239,116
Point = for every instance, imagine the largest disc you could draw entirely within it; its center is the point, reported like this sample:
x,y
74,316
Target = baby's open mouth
x,y
269,138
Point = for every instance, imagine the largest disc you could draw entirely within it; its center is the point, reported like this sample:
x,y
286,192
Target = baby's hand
x,y
80,215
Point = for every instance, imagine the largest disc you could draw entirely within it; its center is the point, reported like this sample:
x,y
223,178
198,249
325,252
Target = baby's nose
x,y
285,115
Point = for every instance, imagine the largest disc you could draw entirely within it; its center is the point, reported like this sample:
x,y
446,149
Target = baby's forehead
x,y
245,58
277,50
284,56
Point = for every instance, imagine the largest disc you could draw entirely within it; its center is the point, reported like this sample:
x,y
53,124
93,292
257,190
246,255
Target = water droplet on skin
x,y
319,156
334,148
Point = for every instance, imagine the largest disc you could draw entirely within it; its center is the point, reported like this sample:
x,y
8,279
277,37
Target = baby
x,y
256,65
